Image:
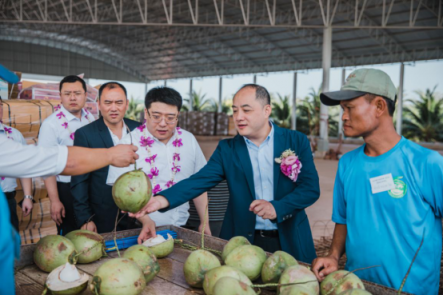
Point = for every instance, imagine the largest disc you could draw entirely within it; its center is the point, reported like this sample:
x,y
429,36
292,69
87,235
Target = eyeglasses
x,y
169,119
77,94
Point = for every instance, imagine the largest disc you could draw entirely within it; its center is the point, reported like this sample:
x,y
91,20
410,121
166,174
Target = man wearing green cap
x,y
388,197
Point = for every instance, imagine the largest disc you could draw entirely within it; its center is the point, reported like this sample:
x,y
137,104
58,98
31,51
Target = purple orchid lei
x,y
65,125
290,164
147,142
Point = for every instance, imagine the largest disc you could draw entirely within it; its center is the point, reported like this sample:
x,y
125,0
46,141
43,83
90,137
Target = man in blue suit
x,y
94,206
265,206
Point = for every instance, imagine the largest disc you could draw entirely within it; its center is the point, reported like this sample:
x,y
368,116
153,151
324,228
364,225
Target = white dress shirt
x,y
9,184
26,161
53,133
115,138
191,161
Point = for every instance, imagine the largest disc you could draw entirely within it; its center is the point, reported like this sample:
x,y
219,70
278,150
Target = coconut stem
x,y
279,285
115,229
410,266
205,219
343,278
45,291
193,248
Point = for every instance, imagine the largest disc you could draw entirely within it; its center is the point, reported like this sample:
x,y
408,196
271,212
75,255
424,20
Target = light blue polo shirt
x,y
262,160
386,228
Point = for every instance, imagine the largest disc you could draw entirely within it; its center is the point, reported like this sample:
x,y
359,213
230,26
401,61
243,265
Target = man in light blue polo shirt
x,y
388,195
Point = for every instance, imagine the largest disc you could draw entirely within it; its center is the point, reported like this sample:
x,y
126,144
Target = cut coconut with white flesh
x,y
154,241
69,273
159,246
67,280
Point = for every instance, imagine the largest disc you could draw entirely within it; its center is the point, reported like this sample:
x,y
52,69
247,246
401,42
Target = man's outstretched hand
x,y
155,203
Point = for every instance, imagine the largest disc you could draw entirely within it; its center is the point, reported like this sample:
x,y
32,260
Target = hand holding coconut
x,y
148,231
323,266
155,203
123,155
89,226
264,209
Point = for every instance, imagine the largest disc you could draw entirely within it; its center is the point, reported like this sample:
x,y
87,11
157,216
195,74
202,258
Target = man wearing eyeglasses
x,y
167,153
59,129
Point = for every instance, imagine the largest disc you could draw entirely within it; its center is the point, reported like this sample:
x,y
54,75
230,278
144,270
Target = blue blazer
x,y
92,196
231,161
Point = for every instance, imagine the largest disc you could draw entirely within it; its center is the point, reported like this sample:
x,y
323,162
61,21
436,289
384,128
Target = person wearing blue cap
x,y
388,196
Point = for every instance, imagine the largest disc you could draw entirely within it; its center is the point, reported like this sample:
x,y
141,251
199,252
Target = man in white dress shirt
x,y
59,129
9,184
167,154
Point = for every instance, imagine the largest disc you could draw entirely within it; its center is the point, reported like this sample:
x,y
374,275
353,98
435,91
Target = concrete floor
x,y
320,213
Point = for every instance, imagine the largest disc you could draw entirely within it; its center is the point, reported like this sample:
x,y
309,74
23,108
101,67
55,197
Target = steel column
x,y
400,99
294,103
190,95
220,99
323,144
255,79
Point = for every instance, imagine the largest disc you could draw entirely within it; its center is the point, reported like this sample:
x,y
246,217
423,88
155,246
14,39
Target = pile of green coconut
x,y
245,263
127,274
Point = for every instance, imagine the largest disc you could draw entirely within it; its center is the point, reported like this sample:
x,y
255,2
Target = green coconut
x,y
299,274
145,260
355,292
90,245
230,286
196,266
339,281
232,244
159,246
132,191
297,290
66,280
275,265
215,274
118,276
249,259
53,251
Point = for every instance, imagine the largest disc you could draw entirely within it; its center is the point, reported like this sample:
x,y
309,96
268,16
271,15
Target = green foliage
x,y
281,110
134,110
423,119
308,115
199,103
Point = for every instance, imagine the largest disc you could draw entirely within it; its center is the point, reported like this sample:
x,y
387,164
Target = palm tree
x,y
308,115
423,119
134,109
200,103
281,111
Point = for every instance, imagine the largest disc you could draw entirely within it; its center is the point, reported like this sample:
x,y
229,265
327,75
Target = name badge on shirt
x,y
382,183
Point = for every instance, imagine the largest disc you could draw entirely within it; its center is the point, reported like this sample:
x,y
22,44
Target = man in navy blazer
x,y
94,206
265,205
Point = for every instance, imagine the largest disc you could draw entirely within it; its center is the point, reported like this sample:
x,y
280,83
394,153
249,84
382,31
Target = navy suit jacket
x,y
231,161
92,196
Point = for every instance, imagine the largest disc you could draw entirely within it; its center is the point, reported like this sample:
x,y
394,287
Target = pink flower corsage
x,y
290,165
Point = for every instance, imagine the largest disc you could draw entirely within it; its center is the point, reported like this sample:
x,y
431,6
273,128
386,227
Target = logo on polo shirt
x,y
400,188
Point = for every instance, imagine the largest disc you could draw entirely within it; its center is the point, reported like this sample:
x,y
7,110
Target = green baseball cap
x,y
359,83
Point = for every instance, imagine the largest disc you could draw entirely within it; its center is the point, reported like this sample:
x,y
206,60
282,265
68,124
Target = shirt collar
x,y
69,116
269,138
